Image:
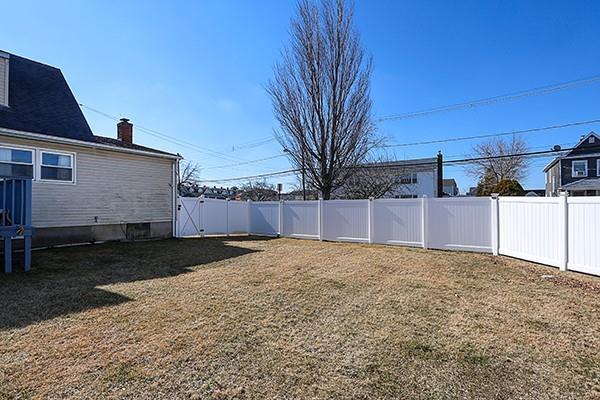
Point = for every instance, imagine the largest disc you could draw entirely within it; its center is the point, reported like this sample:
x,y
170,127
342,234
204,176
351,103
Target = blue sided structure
x,y
15,217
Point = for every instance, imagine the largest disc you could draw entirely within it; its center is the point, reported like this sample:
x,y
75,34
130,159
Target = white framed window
x,y
579,168
56,166
408,178
16,162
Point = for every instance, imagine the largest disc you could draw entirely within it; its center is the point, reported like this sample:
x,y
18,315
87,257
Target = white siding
x,y
115,187
426,185
3,80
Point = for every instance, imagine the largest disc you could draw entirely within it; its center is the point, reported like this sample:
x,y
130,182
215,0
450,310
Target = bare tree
x,y
258,191
321,95
494,167
188,176
377,177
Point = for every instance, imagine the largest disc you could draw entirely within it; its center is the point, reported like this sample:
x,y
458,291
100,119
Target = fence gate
x,y
190,216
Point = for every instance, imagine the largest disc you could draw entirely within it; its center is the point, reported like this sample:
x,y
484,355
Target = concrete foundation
x,y
44,237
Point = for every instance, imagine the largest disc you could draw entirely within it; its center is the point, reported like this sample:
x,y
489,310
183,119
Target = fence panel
x,y
559,231
398,221
584,234
189,221
264,218
238,217
529,228
346,220
459,224
301,219
215,216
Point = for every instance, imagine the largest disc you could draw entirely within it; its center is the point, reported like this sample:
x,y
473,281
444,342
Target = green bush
x,y
508,187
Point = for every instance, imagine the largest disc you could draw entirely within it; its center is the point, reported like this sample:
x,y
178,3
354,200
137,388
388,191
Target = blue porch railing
x,y
15,217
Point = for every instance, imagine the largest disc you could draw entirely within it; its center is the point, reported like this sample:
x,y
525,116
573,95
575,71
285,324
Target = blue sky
x,y
196,70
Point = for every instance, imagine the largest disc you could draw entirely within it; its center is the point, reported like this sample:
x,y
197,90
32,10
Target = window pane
x,y
16,170
579,166
57,174
22,156
59,160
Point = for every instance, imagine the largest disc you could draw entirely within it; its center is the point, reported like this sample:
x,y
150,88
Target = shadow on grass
x,y
64,280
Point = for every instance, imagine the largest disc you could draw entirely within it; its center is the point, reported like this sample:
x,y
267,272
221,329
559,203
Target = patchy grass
x,y
253,318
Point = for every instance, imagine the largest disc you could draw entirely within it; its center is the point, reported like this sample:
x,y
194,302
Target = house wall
x,y
426,185
115,196
3,79
553,180
567,171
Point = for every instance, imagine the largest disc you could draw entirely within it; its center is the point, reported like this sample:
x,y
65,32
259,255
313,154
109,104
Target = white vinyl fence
x,y
559,231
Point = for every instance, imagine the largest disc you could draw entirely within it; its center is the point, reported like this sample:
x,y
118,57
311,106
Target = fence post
x,y
227,216
249,211
370,219
564,225
280,219
424,216
201,215
495,223
320,216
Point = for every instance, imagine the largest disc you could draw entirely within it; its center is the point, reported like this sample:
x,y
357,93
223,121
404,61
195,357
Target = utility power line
x,y
245,162
250,177
166,137
446,140
531,154
488,135
496,99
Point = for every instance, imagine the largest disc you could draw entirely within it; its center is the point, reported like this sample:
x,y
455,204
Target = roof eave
x,y
83,143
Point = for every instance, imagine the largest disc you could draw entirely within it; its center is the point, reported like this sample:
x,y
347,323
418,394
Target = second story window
x,y
408,178
579,168
16,162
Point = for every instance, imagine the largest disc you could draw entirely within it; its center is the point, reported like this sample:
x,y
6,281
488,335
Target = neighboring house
x,y
578,171
417,177
214,192
450,187
86,188
299,195
535,192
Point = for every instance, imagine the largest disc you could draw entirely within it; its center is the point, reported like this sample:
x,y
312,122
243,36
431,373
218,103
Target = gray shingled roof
x,y
583,184
40,101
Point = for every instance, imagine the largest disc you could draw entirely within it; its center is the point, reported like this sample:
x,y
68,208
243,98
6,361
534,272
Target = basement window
x,y
15,162
57,167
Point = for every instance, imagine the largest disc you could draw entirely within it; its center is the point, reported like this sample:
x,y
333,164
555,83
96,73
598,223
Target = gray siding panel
x,y
3,81
110,188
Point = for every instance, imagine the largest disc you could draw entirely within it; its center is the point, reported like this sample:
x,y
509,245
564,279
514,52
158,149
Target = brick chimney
x,y
125,131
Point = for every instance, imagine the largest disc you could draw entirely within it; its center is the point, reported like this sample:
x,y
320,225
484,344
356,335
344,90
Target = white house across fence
x,y
557,231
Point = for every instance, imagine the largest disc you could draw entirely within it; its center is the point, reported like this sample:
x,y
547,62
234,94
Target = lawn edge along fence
x,y
558,231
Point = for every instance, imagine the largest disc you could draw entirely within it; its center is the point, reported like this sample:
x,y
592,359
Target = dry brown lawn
x,y
254,318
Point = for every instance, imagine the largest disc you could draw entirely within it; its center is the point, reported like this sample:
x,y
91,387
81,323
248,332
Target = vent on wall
x,y
4,58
